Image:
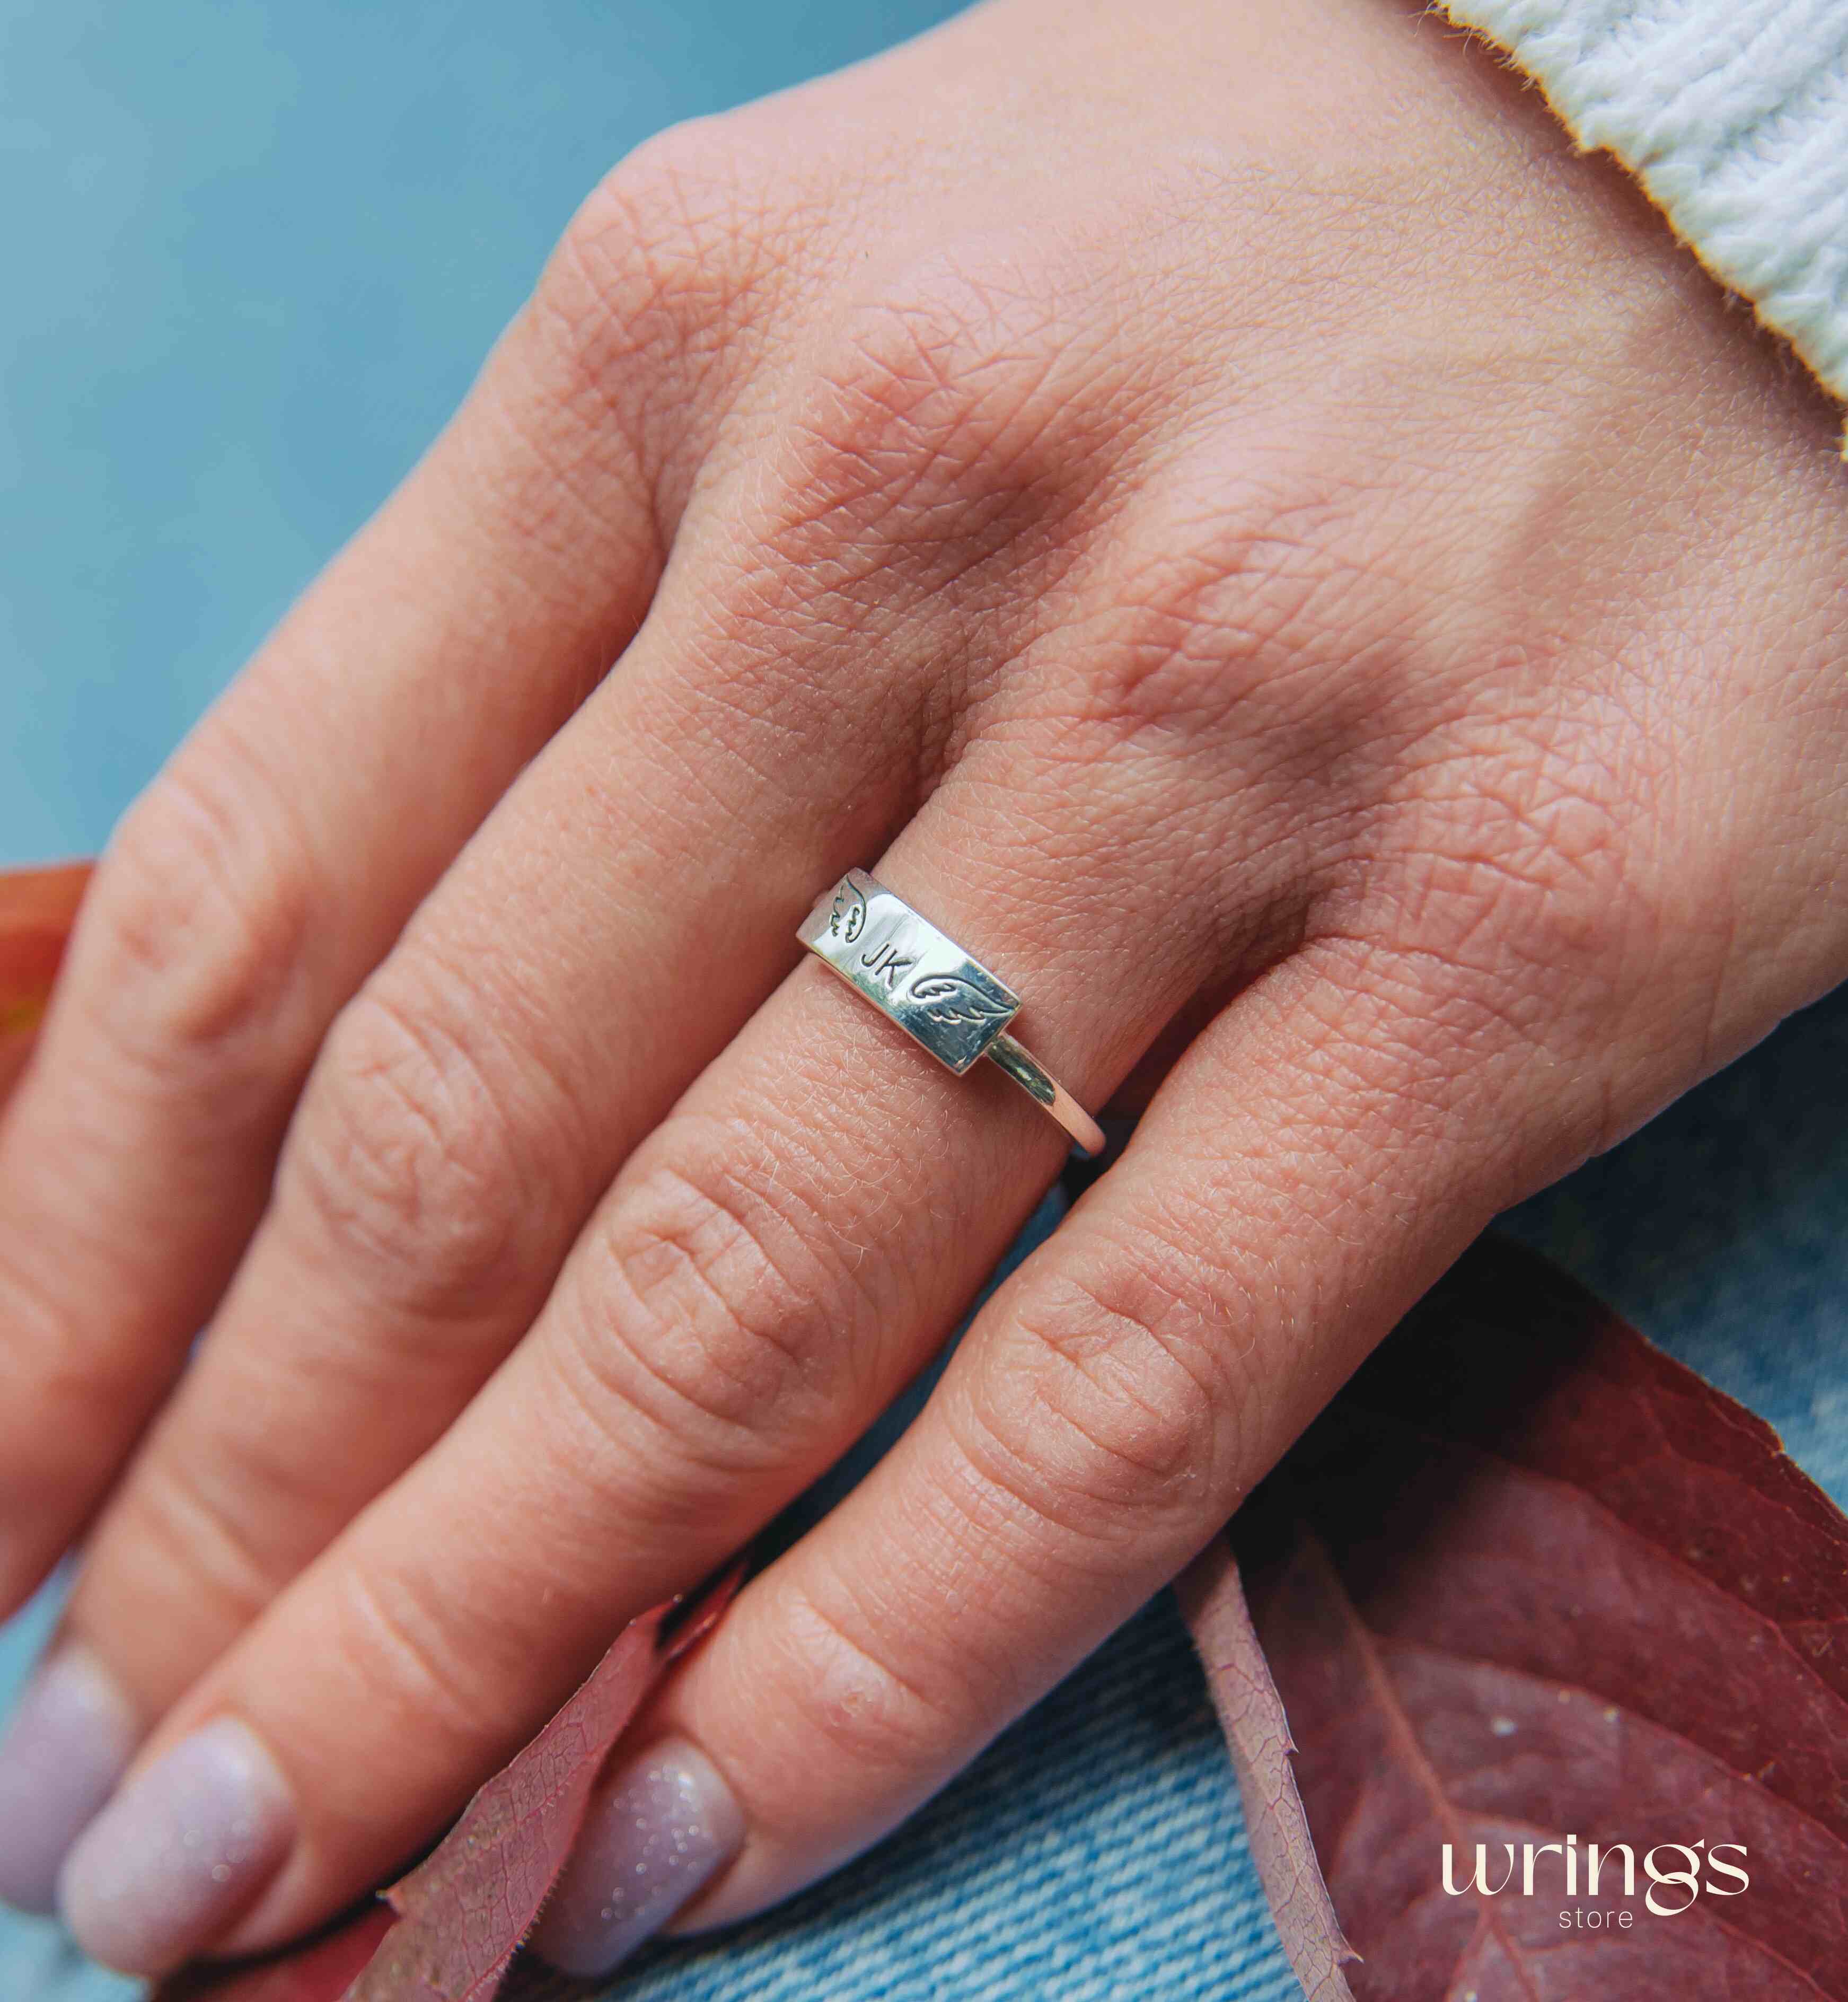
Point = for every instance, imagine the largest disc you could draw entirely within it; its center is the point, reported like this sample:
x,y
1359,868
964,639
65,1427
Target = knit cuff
x,y
1735,118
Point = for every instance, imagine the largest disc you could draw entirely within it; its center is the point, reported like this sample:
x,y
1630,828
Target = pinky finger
x,y
1104,1417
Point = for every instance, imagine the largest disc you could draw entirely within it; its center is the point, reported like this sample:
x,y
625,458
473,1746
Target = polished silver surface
x,y
931,989
1024,1068
928,986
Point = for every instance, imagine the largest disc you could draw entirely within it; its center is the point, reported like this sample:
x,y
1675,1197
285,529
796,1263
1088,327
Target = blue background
x,y
253,252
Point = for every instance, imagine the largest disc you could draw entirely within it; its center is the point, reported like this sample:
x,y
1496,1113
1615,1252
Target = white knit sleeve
x,y
1734,115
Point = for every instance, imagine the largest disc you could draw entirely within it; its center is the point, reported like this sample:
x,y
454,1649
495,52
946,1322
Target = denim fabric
x,y
1095,1853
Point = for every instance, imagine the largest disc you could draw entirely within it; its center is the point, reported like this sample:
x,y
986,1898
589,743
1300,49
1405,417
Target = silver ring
x,y
932,989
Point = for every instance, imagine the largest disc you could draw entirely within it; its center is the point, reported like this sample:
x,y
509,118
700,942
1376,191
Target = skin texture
x,y
1222,508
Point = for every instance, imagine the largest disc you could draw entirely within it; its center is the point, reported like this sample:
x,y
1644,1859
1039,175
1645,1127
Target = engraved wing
x,y
848,919
951,1001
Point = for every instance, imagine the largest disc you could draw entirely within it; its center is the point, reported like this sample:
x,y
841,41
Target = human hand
x,y
1225,512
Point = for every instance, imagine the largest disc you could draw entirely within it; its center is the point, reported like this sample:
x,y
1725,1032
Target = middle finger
x,y
620,915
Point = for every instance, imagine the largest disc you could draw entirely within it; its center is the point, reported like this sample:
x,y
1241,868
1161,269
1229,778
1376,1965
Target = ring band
x,y
932,989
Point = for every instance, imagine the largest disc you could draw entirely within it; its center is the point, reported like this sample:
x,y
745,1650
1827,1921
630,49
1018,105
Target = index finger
x,y
264,873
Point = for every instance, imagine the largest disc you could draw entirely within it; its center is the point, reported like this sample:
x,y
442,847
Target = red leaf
x,y
463,1912
1528,1577
1251,1715
37,908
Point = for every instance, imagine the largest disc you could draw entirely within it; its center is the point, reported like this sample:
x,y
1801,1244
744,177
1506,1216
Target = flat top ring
x,y
935,992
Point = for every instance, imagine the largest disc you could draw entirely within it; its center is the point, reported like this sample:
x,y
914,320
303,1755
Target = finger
x,y
768,1269
267,869
631,902
1309,1166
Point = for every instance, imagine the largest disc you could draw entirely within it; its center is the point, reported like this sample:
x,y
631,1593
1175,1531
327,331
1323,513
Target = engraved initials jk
x,y
885,964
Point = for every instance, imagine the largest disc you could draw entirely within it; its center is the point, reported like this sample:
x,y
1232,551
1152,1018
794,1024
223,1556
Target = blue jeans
x,y
1096,1850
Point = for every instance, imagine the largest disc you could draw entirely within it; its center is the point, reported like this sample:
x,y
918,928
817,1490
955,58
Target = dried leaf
x,y
37,908
1212,1601
462,1912
465,1910
1529,1581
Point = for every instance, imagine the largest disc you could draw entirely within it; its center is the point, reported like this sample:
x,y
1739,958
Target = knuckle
x,y
204,912
703,1307
451,1678
858,1706
1120,1403
57,1362
188,1520
663,256
1517,861
409,1153
938,416
1222,587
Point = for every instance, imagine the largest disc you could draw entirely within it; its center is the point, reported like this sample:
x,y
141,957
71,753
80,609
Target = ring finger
x,y
540,1014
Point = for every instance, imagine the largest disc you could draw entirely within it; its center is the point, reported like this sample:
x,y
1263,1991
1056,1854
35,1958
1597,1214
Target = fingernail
x,y
178,1852
668,1823
64,1747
